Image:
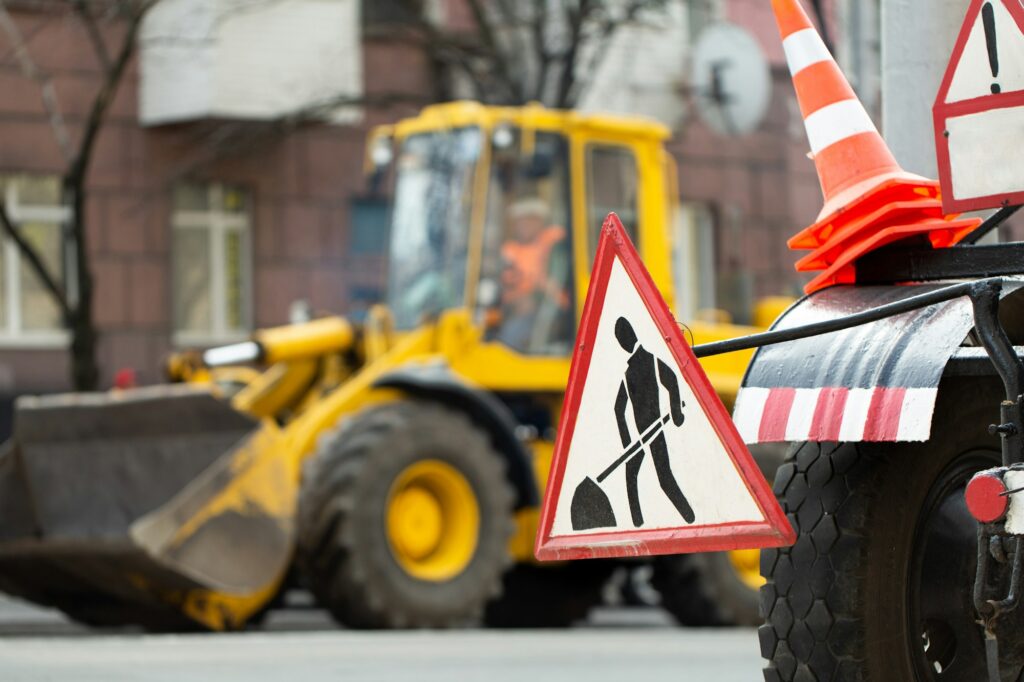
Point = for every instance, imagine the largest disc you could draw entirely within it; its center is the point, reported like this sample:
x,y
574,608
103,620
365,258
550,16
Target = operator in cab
x,y
534,282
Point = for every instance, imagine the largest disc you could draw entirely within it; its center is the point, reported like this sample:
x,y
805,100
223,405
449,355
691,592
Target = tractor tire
x,y
379,464
705,590
879,583
548,596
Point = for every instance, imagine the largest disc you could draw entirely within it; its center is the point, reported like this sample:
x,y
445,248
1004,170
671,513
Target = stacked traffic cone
x,y
869,200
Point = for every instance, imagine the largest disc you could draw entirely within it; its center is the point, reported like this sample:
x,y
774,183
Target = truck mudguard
x,y
437,382
876,382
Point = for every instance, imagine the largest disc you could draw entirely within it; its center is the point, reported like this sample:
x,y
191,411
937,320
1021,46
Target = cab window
x,y
526,292
612,185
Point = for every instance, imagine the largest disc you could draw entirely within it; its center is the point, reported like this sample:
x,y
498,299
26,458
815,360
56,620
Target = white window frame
x,y
693,267
12,334
217,223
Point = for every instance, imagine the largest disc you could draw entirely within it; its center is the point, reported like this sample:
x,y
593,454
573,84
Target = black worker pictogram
x,y
641,390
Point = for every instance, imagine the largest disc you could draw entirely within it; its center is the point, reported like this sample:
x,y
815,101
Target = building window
x,y
734,280
28,313
694,260
211,254
370,221
379,13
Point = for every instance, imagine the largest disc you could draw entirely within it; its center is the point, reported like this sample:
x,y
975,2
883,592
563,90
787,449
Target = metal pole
x,y
917,39
974,289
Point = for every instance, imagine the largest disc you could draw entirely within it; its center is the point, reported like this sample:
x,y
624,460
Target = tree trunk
x,y
85,372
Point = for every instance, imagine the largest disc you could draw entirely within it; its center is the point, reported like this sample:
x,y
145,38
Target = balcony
x,y
245,60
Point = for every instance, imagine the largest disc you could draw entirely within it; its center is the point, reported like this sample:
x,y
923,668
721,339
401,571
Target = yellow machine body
x,y
214,550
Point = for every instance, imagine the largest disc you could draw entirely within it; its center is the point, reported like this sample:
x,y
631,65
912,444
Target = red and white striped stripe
x,y
773,415
831,110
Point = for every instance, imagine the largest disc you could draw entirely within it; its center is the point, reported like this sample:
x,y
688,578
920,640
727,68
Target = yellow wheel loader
x,y
396,465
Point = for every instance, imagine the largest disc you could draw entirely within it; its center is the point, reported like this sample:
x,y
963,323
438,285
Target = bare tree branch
x,y
575,16
445,48
523,50
826,34
31,71
98,110
229,140
544,56
491,45
35,262
604,24
514,27
95,37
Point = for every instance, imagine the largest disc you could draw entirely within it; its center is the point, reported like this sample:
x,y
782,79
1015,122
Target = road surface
x,y
614,645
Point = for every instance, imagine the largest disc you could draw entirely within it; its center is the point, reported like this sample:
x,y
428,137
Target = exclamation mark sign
x,y
988,17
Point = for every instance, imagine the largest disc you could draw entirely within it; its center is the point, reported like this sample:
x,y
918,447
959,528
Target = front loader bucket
x,y
160,506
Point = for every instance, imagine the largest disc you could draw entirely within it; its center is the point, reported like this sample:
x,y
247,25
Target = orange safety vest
x,y
527,268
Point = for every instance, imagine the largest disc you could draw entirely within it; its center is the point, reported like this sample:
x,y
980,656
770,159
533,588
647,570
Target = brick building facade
x,y
279,205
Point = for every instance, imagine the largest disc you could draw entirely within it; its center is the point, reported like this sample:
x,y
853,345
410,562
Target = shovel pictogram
x,y
590,506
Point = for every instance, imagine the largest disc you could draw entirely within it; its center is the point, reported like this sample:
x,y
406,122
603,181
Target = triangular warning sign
x,y
647,460
979,107
988,58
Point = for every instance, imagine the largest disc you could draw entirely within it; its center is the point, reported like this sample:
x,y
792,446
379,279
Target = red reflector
x,y
985,500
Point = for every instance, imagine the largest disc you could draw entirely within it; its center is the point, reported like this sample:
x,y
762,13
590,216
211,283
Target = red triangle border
x,y
775,531
941,112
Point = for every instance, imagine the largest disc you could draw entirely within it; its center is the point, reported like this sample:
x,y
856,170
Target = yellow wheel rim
x,y
433,520
747,563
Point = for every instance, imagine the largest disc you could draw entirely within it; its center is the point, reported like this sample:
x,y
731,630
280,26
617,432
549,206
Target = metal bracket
x,y
991,609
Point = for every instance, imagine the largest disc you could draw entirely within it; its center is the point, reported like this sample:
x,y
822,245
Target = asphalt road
x,y
300,644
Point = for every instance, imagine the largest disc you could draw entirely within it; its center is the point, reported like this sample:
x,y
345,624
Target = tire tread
x,y
339,572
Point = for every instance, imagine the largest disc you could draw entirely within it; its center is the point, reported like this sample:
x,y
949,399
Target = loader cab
x,y
497,212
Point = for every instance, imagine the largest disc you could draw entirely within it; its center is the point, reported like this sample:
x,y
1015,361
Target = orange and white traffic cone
x,y
869,198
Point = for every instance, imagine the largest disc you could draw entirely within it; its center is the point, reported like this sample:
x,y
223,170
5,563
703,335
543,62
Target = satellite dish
x,y
731,82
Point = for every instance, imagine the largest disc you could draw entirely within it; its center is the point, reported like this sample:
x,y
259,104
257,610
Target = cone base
x,y
863,198
891,215
941,233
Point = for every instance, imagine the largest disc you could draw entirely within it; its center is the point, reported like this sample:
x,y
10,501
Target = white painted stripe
x,y
748,411
835,123
855,414
804,48
1015,514
916,415
802,413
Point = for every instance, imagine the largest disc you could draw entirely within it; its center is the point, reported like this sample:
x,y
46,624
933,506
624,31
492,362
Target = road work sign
x,y
647,460
979,111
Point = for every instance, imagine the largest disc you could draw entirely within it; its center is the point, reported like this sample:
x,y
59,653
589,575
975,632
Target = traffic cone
x,y
866,191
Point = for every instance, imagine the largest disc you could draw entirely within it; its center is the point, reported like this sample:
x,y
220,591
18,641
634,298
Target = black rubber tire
x,y
343,550
704,590
838,603
548,596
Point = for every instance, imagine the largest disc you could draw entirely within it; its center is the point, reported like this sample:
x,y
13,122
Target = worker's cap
x,y
532,207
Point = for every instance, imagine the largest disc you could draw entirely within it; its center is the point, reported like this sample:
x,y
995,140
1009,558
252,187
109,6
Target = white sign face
x,y
690,456
982,162
647,460
979,110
